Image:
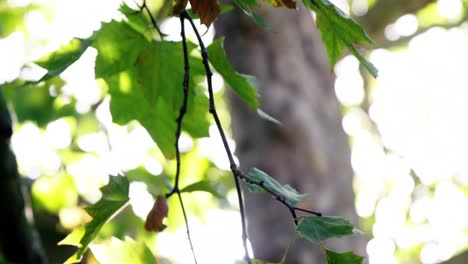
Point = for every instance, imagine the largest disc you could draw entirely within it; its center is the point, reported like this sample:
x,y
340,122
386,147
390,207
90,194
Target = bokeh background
x,y
407,133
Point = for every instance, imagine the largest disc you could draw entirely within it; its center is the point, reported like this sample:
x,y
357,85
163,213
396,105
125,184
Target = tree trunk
x,y
19,242
309,150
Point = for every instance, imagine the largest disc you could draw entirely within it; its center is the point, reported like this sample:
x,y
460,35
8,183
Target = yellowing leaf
x,y
283,3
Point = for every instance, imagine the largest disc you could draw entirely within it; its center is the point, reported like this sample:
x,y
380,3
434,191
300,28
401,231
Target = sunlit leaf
x,y
204,186
145,83
34,103
118,251
238,82
318,228
114,197
118,45
58,61
342,258
289,193
338,32
54,193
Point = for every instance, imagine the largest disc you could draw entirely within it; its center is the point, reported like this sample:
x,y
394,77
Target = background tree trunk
x,y
310,150
19,242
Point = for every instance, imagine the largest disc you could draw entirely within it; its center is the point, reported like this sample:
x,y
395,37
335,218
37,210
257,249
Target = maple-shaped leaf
x,y
338,32
154,219
207,10
114,198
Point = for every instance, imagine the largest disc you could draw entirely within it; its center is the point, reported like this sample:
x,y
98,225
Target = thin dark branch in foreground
x,y
292,208
144,7
182,111
238,175
213,112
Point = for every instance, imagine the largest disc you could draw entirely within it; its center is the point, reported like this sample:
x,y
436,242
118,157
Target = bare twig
x,y
238,175
182,111
213,112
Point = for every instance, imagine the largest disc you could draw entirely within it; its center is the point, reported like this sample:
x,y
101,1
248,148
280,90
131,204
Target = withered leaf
x,y
285,3
154,219
207,10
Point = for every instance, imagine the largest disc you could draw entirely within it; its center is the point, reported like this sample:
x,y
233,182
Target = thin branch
x,y
144,7
238,175
213,112
182,111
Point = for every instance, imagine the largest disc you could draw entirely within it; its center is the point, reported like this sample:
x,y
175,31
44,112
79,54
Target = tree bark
x,y
309,150
19,242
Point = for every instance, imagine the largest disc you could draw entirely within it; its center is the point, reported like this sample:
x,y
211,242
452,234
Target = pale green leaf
x,y
114,198
286,191
342,258
118,251
318,228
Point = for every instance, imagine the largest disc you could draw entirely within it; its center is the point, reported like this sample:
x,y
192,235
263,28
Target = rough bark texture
x,y
19,243
310,150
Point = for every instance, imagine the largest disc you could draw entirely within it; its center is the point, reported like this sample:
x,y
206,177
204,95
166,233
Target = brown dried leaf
x,y
207,10
288,3
154,220
283,3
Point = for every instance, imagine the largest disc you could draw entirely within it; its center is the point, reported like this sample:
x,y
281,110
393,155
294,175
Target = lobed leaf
x,y
114,198
318,228
338,32
289,193
118,251
238,82
57,62
145,83
342,258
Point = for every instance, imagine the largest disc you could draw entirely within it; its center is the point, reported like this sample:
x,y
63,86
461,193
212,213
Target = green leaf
x,y
238,82
286,191
342,258
151,93
247,5
114,198
268,117
118,45
118,251
204,186
58,61
318,228
34,103
338,32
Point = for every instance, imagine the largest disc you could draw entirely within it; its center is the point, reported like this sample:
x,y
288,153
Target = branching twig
x,y
213,112
144,7
182,111
238,175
